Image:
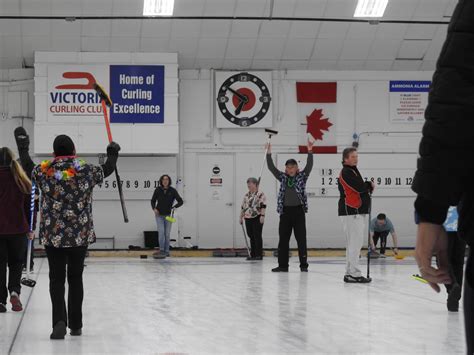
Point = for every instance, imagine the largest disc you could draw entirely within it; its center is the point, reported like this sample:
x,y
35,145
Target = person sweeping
x,y
15,188
252,213
66,225
292,206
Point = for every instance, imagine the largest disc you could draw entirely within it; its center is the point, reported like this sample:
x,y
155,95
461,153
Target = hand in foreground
x,y
432,240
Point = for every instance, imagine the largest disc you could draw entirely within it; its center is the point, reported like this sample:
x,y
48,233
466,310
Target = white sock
x,y
13,294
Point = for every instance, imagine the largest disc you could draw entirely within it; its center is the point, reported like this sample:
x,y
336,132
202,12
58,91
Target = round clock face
x,y
243,99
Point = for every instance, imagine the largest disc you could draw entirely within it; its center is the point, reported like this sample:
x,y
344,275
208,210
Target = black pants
x,y
469,303
383,240
12,249
254,231
293,219
58,259
456,255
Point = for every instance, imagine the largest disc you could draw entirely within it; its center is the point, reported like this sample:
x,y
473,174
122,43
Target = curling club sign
x,y
136,91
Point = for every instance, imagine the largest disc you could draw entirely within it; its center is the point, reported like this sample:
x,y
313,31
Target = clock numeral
x,y
244,78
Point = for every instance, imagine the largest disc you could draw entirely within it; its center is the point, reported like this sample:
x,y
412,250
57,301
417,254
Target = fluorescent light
x,y
370,8
158,7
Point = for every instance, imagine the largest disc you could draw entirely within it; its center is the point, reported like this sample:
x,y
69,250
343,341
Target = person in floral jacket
x,y
252,213
66,225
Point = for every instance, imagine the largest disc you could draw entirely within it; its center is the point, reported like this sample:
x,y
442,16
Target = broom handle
x,y
264,158
117,177
107,123
32,218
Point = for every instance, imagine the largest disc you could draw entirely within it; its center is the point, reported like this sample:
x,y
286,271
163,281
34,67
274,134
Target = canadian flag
x,y
317,107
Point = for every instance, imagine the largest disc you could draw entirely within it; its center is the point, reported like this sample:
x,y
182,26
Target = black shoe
x,y
357,280
304,269
258,258
3,308
76,332
59,331
280,269
453,298
250,258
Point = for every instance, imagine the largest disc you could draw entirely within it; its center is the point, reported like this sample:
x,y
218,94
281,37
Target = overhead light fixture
x,y
370,8
158,7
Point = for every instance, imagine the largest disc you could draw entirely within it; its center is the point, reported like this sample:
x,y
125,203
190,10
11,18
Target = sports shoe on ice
x,y
280,269
3,308
59,331
304,268
16,303
453,298
76,332
357,280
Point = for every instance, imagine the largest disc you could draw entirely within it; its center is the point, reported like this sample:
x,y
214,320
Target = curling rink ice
x,y
230,306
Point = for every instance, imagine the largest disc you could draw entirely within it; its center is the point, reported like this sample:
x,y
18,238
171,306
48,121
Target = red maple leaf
x,y
317,124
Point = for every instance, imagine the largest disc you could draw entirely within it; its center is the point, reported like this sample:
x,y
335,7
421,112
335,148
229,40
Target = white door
x,y
216,206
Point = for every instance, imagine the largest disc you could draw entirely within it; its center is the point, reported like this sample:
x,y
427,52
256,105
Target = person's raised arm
x,y
271,166
112,157
23,144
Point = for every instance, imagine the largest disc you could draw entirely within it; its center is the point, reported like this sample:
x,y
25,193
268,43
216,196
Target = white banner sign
x,y
408,101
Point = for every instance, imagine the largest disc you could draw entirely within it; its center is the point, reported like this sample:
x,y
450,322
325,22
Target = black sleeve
x,y
154,198
109,166
178,199
445,166
26,161
309,164
354,181
430,212
271,166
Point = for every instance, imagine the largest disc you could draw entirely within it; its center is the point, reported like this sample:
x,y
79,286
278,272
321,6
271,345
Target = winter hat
x,y
291,162
252,180
63,146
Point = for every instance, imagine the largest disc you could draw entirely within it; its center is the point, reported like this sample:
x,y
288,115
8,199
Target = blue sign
x,y
137,93
451,223
410,86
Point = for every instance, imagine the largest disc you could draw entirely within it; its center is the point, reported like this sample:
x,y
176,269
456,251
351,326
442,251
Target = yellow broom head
x,y
170,219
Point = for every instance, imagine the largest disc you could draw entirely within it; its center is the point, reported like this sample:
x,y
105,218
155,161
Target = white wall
x,y
362,107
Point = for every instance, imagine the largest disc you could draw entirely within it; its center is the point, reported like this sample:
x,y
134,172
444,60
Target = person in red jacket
x,y
354,206
15,188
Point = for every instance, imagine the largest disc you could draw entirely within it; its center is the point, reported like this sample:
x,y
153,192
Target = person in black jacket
x,y
445,167
162,204
354,205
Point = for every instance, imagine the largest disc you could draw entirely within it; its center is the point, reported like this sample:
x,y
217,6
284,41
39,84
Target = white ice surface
x,y
230,306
